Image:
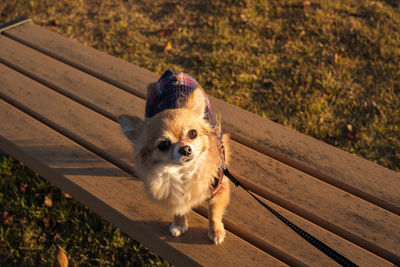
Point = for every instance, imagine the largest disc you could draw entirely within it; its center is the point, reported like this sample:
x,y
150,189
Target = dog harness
x,y
171,90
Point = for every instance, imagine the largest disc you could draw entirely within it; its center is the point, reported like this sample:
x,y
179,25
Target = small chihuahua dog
x,y
179,151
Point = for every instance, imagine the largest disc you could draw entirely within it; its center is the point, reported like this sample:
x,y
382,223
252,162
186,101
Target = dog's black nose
x,y
185,150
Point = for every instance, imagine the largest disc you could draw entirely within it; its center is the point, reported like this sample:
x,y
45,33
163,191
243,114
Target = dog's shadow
x,y
197,236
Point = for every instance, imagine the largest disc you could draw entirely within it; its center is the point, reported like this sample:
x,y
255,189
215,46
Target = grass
x,y
320,67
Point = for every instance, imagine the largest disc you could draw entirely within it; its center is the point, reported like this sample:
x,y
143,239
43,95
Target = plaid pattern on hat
x,y
170,90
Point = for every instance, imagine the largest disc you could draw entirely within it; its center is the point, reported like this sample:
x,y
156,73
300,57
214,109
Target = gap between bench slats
x,y
75,109
264,135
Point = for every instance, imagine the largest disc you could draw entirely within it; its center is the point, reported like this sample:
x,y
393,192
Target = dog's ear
x,y
131,126
197,101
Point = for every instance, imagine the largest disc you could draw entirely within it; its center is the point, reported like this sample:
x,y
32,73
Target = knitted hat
x,y
170,90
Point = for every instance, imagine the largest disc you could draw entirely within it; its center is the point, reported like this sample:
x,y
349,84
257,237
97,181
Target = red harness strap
x,y
218,185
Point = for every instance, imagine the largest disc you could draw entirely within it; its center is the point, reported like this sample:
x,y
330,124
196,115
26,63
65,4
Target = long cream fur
x,y
177,182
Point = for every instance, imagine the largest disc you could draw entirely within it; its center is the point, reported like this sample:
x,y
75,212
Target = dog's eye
x,y
164,145
192,134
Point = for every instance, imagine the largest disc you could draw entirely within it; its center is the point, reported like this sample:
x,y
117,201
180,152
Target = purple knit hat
x,y
170,90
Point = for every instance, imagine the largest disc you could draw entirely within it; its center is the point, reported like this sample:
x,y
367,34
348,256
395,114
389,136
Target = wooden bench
x,y
60,101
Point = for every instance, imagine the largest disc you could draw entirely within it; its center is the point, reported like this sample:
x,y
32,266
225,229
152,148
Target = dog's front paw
x,y
217,235
178,230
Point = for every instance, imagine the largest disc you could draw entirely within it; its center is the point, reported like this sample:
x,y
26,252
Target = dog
x,y
180,151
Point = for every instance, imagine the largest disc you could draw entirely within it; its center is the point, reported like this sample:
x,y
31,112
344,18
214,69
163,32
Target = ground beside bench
x,y
85,91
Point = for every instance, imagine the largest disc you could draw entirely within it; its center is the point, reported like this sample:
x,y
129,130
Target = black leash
x,y
312,240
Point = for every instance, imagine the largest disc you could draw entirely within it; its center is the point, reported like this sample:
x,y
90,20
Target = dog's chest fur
x,y
180,187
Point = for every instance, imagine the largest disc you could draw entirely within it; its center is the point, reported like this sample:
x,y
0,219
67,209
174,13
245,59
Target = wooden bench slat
x,y
108,191
28,62
351,173
71,76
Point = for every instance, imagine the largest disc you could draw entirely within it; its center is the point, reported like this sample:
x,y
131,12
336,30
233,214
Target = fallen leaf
x,y
306,4
350,132
167,32
55,22
6,218
168,47
66,195
351,136
23,188
46,221
349,127
62,257
209,21
48,202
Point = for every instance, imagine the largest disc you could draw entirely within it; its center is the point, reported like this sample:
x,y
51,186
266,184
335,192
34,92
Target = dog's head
x,y
172,137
